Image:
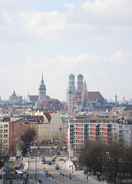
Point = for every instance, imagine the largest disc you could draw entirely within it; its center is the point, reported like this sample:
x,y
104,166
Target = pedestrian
x,y
87,177
70,176
39,181
26,179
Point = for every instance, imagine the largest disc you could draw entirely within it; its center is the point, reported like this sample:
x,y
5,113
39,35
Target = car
x,y
62,174
57,167
20,172
47,162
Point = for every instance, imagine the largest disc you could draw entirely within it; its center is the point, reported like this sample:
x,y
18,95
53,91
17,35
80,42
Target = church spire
x,y
14,93
42,89
42,79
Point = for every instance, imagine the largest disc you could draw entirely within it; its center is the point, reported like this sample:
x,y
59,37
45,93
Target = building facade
x,y
83,129
102,127
4,135
48,127
71,93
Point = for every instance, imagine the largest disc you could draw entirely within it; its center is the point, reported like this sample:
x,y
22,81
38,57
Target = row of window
x,y
88,127
3,130
3,141
90,132
3,126
3,135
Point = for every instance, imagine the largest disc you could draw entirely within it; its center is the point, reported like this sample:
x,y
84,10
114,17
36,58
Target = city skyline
x,y
91,37
37,92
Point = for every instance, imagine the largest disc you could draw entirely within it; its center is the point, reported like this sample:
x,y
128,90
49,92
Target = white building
x,y
124,133
4,135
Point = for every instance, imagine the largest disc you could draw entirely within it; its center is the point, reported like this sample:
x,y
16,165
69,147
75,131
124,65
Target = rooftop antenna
x,y
116,99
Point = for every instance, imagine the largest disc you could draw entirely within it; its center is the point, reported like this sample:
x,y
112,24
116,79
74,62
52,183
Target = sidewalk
x,y
14,182
91,179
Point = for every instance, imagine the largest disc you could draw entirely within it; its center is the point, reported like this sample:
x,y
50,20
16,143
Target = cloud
x,y
121,56
93,37
25,77
92,17
46,25
109,12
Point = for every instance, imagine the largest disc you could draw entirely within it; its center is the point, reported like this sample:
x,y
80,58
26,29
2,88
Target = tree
x,y
113,161
27,139
92,156
3,159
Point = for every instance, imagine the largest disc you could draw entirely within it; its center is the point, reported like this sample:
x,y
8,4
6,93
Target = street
x,y
39,173
55,176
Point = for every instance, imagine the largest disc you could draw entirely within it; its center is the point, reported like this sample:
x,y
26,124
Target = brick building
x,y
16,130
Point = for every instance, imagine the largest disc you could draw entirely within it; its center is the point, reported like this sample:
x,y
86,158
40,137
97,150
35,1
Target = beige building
x,y
53,130
4,135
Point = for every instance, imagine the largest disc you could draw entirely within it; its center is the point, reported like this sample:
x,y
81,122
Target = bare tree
x,y
27,139
113,161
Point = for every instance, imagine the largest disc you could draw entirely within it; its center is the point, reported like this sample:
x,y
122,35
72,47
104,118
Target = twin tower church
x,y
81,99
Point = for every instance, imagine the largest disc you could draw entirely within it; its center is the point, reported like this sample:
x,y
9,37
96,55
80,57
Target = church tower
x,y
79,84
42,89
84,97
71,93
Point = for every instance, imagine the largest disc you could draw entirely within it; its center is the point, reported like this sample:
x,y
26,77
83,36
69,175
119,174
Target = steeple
x,y
84,96
42,80
14,93
42,89
80,83
116,99
84,91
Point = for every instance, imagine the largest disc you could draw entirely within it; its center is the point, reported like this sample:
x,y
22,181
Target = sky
x,y
59,37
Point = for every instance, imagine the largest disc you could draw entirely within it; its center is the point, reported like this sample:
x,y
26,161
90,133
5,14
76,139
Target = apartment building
x,y
84,128
4,135
104,128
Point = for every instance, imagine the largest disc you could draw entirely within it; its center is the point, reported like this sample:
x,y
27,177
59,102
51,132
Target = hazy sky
x,y
59,37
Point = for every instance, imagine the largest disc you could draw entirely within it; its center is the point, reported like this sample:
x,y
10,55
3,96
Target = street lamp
x,y
28,163
36,163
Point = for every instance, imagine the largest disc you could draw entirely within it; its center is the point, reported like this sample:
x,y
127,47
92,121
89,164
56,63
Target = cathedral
x,y
80,99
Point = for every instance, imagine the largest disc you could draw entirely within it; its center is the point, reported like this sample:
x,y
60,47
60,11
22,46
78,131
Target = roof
x,y
48,116
14,93
33,98
36,118
95,96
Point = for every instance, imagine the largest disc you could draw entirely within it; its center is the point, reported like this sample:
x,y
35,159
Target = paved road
x,y
77,178
36,173
59,179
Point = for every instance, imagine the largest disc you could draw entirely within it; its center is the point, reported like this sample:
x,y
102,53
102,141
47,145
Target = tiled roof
x,y
36,118
33,97
95,96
